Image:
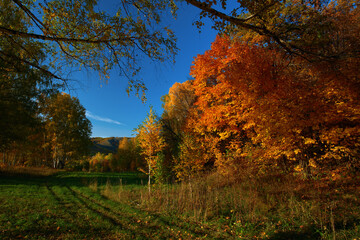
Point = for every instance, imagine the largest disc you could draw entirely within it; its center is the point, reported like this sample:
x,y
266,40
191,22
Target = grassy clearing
x,y
62,206
67,205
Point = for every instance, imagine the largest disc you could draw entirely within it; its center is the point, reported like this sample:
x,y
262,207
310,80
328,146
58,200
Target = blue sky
x,y
111,111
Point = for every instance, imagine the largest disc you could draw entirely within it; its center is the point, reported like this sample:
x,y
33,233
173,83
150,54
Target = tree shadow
x,y
72,179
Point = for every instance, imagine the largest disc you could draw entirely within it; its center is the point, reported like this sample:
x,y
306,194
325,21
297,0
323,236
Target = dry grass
x,y
94,185
272,205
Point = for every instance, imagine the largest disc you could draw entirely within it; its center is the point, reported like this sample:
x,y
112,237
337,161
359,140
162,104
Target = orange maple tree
x,y
254,106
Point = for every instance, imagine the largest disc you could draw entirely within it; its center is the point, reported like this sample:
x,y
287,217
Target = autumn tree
x,y
235,102
81,34
20,84
319,43
313,30
99,163
177,105
151,143
67,128
127,157
191,157
122,160
254,105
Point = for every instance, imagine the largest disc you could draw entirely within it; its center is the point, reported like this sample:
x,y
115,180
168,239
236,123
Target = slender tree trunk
x,y
304,163
44,148
149,182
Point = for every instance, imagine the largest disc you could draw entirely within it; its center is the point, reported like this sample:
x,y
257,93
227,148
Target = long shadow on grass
x,y
72,178
140,225
23,180
176,223
81,178
103,214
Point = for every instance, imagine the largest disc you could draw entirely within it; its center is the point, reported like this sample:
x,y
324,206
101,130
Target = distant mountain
x,y
105,145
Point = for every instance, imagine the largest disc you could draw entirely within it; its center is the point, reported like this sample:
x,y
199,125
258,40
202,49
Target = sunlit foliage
x,y
67,129
81,34
254,104
151,143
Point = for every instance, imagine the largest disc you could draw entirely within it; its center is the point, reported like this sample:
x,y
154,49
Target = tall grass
x,y
261,207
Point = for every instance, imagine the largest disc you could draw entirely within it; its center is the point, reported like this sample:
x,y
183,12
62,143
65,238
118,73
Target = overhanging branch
x,y
60,39
262,30
33,65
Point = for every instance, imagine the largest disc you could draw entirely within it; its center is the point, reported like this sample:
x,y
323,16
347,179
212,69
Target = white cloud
x,y
103,119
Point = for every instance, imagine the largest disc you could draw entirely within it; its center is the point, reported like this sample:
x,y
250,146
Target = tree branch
x,y
33,65
237,21
29,13
262,30
61,39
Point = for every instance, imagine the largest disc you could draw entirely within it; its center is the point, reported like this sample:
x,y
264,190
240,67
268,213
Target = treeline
x,y
278,92
252,107
39,126
58,134
126,159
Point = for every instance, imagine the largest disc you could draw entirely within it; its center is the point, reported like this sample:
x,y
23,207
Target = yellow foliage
x,y
150,140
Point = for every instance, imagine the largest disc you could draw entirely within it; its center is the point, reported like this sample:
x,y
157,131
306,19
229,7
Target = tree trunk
x,y
304,163
149,181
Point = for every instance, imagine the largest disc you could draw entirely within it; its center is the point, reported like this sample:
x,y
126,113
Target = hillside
x,y
105,145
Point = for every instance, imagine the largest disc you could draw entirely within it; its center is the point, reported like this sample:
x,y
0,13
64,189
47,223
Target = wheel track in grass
x,y
55,196
195,233
75,211
103,214
63,201
137,223
60,201
116,218
142,230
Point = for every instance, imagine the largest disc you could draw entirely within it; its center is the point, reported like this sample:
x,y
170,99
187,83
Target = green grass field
x,y
62,206
77,205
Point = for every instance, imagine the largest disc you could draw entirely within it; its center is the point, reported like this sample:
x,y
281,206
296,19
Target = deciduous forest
x,y
263,142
